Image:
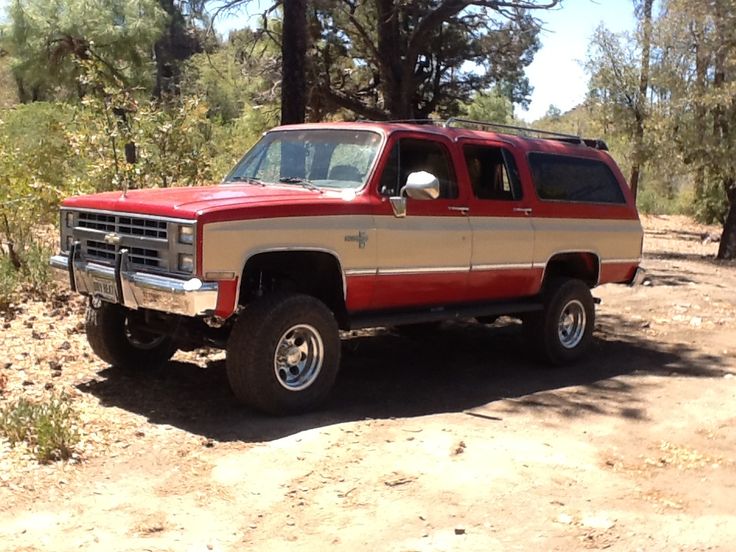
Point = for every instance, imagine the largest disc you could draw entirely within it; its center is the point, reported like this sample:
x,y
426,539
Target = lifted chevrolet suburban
x,y
336,226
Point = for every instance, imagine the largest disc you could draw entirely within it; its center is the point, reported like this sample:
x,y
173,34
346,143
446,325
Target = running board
x,y
438,314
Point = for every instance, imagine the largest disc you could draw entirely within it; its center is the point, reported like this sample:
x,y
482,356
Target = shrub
x,y
48,428
9,280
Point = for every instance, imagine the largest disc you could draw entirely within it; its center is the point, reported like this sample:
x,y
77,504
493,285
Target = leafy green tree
x,y
489,106
47,38
393,59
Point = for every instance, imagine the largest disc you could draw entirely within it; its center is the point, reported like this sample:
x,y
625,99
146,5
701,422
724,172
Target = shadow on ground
x,y
459,368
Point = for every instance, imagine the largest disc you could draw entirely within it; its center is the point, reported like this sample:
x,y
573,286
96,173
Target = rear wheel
x,y
119,342
283,353
562,332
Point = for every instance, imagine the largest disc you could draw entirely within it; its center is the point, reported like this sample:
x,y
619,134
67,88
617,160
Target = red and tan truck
x,y
337,226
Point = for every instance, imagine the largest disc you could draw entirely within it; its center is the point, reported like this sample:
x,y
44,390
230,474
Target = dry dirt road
x,y
454,441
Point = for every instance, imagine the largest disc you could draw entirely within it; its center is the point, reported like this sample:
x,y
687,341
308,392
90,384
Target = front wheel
x,y
562,332
118,342
283,353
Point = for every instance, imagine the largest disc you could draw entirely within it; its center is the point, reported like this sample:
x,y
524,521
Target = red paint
x,y
359,292
395,291
227,292
617,272
492,285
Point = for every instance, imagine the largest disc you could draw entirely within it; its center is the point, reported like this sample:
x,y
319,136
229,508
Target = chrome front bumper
x,y
136,290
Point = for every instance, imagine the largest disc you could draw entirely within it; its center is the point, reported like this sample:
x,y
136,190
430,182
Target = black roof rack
x,y
511,129
507,129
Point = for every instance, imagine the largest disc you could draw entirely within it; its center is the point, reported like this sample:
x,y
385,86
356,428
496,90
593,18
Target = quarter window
x,y
562,178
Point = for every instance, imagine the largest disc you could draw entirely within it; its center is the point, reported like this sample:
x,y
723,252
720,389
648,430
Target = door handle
x,y
526,210
463,210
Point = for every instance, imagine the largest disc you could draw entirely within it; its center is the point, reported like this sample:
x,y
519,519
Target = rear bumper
x,y
134,289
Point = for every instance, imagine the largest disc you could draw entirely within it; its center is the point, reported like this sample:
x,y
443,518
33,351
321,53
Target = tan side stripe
x,y
422,270
360,271
509,266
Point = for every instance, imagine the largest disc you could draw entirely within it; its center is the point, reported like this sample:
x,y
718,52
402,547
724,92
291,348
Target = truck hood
x,y
192,202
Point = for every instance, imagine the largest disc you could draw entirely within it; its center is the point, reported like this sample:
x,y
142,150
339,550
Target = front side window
x,y
575,179
411,155
321,157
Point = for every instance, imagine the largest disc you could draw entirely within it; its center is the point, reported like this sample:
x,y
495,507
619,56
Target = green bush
x,y
9,281
49,428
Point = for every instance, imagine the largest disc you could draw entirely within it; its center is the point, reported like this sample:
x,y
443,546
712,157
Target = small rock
x,y
65,346
459,530
209,443
26,383
460,448
37,335
597,522
54,365
565,519
48,385
8,365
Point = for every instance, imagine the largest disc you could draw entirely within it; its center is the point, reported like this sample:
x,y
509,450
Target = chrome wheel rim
x,y
298,357
571,326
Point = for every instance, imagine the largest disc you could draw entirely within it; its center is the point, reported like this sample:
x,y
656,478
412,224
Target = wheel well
x,y
583,266
314,273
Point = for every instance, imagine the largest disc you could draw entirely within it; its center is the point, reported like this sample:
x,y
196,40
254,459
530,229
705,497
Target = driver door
x,y
424,257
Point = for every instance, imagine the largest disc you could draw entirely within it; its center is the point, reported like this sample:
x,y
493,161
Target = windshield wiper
x,y
247,180
303,182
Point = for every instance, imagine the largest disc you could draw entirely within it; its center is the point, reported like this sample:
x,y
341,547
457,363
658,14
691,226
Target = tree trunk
x,y
175,45
390,53
646,45
727,247
293,61
721,131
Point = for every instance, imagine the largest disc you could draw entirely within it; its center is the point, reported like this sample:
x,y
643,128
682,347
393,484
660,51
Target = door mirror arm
x,y
420,185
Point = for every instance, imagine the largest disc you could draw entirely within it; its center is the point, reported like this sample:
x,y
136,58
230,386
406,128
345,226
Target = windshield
x,y
313,158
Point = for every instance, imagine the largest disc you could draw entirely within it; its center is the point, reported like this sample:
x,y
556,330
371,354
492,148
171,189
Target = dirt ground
x,y
454,441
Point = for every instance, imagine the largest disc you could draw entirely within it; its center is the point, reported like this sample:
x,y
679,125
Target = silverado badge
x,y
361,237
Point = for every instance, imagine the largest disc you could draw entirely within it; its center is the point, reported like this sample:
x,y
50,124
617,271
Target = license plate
x,y
105,289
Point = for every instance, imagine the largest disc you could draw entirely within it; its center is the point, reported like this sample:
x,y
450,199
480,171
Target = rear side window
x,y
562,178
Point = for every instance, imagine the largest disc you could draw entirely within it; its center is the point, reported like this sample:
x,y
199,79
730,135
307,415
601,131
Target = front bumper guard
x,y
135,290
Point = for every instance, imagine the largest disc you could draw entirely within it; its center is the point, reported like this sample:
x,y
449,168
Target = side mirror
x,y
419,185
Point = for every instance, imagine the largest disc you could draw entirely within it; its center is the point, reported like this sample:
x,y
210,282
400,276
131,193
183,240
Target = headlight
x,y
69,218
186,234
186,263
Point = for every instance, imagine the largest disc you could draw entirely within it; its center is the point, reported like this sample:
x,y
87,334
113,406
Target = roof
x,y
528,139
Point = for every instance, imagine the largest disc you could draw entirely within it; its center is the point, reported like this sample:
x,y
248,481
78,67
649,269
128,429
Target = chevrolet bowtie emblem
x,y
360,237
112,238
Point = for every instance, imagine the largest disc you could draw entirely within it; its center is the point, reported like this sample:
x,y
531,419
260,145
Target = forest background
x,y
104,94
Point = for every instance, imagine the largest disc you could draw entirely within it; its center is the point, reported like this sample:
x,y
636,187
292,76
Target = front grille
x,y
141,256
151,241
124,225
100,250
